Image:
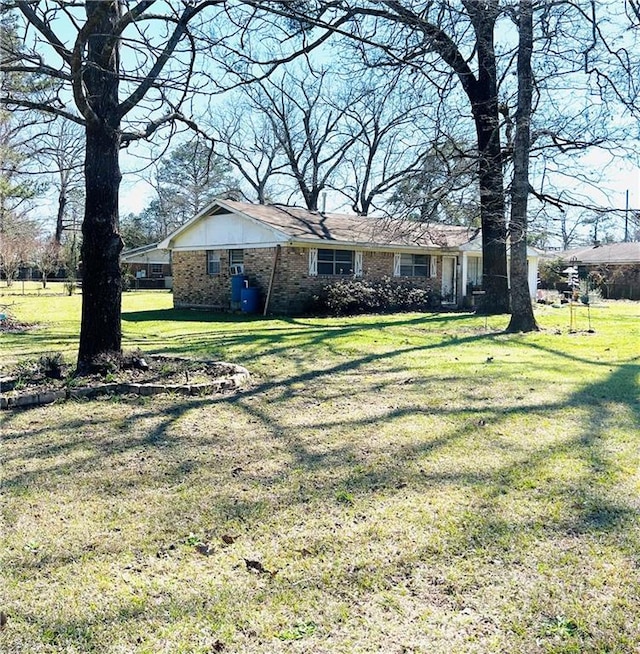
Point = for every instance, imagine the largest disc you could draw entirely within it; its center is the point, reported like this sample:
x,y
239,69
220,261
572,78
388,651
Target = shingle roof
x,y
304,225
617,253
139,250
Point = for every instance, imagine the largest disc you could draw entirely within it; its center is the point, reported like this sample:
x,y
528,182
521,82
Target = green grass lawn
x,y
406,483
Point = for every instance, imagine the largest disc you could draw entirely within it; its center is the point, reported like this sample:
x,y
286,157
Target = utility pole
x,y
626,219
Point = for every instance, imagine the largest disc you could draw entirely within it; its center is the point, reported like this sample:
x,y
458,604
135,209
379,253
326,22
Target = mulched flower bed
x,y
49,379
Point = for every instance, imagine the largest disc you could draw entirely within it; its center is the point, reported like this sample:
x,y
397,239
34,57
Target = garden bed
x,y
46,381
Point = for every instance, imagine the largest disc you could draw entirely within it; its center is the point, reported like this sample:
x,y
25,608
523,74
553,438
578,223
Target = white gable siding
x,y
227,231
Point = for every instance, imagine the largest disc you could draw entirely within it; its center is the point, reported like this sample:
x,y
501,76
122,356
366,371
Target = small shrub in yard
x,y
108,363
35,371
70,287
52,365
353,296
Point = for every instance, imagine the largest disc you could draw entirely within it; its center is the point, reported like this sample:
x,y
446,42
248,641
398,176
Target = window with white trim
x,y
335,262
474,271
156,269
213,263
236,257
415,265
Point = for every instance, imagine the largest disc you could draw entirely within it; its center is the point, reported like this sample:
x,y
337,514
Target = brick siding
x,y
293,287
194,287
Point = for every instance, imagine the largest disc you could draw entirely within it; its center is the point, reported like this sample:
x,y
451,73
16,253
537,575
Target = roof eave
x,y
365,245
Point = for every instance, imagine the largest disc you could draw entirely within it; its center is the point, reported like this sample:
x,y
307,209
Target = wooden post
x,y
276,254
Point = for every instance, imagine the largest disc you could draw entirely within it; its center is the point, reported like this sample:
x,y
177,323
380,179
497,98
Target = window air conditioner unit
x,y
237,269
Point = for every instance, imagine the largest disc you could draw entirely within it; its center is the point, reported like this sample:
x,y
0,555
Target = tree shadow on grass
x,y
620,387
279,330
195,315
590,504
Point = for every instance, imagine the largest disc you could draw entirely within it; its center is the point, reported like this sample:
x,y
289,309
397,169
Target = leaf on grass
x,y
236,471
3,620
204,549
229,540
256,566
191,539
163,552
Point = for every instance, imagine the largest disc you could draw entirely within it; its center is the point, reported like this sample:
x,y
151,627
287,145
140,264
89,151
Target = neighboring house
x,y
149,265
290,254
614,267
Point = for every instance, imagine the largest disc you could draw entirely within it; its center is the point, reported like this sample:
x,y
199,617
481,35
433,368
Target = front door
x,y
449,280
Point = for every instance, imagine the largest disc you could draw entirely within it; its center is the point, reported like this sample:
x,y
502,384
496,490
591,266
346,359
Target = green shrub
x,y
70,287
52,365
128,280
550,272
354,296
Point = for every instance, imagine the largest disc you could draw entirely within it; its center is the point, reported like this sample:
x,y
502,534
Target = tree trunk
x,y
522,318
483,96
492,214
62,203
101,245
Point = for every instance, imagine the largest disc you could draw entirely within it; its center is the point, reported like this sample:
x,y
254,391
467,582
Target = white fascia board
x,y
476,246
228,246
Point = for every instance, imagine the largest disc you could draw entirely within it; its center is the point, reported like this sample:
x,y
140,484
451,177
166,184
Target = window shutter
x,y
396,264
357,264
313,262
433,266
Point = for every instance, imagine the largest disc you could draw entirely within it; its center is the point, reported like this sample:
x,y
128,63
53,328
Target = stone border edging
x,y
235,381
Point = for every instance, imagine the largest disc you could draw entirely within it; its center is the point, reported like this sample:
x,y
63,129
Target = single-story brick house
x,y
149,265
614,267
290,254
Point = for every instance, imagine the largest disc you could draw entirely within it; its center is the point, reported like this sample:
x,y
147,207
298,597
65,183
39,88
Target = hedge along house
x,y
290,254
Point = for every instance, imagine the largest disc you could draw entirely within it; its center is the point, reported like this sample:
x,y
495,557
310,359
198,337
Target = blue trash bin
x,y
250,299
238,282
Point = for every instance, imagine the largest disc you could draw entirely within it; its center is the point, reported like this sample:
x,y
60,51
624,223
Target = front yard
x,y
405,483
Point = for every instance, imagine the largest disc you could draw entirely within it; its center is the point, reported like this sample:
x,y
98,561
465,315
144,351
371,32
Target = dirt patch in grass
x,y
9,324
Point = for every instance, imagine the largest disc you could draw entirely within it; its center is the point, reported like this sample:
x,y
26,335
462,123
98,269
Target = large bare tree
x,y
121,70
392,119
247,141
104,59
59,150
311,132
